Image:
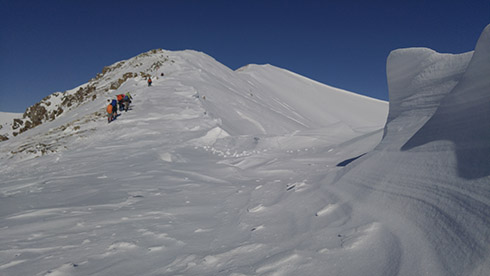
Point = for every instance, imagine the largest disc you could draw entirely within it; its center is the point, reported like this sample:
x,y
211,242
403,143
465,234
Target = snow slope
x,y
8,117
212,172
6,122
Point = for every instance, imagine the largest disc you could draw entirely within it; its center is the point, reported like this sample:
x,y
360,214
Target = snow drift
x,y
430,176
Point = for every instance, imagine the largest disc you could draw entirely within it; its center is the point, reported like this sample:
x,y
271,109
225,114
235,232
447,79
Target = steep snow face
x,y
418,79
463,117
428,182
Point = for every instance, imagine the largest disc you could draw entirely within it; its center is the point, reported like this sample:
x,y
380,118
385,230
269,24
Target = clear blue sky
x,y
48,46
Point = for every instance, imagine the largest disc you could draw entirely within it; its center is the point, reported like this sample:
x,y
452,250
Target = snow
x,y
221,172
7,117
431,169
6,122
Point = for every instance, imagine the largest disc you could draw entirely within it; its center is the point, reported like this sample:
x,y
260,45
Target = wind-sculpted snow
x,y
429,179
463,117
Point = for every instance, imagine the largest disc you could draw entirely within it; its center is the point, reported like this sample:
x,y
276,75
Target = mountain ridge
x,y
187,66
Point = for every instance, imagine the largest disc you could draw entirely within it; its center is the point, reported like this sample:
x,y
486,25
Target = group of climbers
x,y
122,101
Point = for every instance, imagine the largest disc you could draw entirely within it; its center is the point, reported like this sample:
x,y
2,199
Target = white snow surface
x,y
7,117
6,122
427,184
221,172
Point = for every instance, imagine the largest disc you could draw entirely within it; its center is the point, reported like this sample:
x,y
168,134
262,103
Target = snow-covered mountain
x,y
257,171
197,150
263,100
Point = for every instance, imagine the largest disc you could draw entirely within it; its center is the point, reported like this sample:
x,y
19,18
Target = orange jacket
x,y
109,109
120,97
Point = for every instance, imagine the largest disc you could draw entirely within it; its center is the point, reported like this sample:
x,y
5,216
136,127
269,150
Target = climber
x,y
114,107
110,114
126,101
129,96
120,98
149,81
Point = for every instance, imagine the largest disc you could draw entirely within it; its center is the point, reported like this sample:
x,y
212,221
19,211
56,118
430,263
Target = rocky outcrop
x,y
17,123
115,85
108,69
79,96
44,111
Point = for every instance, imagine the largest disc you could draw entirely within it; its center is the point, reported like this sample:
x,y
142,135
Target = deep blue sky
x,y
48,46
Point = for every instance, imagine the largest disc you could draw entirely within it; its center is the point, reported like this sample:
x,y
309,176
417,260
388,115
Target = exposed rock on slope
x,y
111,78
